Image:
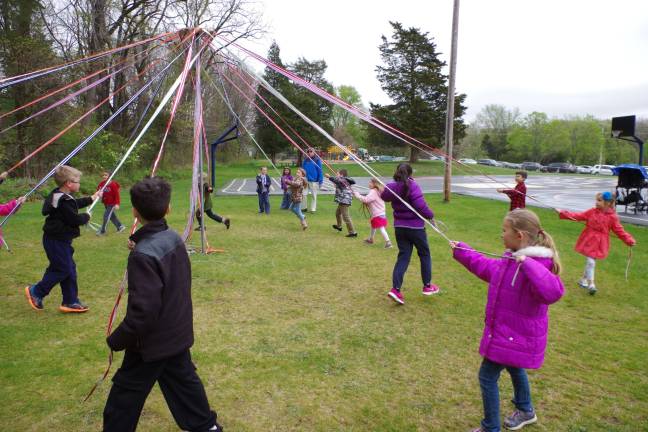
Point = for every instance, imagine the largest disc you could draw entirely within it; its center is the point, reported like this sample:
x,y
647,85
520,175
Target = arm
x,y
577,216
418,201
623,235
117,194
366,199
83,202
144,303
545,285
320,173
476,263
71,216
387,195
7,208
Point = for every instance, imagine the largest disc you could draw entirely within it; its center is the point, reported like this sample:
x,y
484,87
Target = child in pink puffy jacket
x,y
7,208
376,207
594,241
522,285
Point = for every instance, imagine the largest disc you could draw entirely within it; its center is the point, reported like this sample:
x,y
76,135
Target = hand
x,y
520,258
21,200
327,175
97,195
117,207
454,244
500,190
130,245
4,175
558,210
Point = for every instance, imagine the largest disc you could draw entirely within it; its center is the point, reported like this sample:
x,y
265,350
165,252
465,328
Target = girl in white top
x,y
376,207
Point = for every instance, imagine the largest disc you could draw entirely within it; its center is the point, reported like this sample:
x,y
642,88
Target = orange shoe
x,y
34,301
76,307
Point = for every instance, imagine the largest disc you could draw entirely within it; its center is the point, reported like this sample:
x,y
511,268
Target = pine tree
x,y
412,76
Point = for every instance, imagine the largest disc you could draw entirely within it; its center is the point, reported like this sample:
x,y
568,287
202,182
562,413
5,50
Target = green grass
x,y
294,331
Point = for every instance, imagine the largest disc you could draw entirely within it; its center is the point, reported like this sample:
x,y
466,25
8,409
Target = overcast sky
x,y
561,57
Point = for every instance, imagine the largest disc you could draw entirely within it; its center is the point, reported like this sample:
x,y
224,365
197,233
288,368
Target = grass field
x,y
294,331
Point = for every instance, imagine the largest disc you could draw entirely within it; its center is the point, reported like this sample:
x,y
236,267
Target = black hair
x,y
522,173
151,197
402,175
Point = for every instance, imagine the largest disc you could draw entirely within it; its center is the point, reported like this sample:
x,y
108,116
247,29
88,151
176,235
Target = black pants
x,y
180,385
407,239
210,214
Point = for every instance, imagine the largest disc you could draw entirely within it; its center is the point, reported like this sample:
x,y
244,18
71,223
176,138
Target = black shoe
x,y
305,210
226,222
197,229
339,228
351,234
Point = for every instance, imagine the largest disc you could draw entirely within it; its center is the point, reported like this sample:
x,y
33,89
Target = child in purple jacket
x,y
522,285
410,230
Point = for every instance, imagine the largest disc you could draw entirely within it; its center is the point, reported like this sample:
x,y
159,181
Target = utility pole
x,y
451,98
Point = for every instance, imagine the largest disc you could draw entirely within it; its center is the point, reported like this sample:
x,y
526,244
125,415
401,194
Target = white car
x,y
584,169
468,161
602,169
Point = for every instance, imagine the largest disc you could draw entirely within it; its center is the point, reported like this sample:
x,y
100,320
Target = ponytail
x,y
402,175
527,222
545,239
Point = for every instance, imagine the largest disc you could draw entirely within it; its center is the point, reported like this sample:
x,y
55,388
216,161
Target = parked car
x,y
561,167
489,162
435,158
468,161
584,169
385,158
531,166
602,169
511,165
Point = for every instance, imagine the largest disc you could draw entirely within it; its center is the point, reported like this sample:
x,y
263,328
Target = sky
x,y
561,57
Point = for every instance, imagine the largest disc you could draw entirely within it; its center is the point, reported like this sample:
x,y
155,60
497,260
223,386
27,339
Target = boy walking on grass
x,y
60,228
518,194
157,330
111,200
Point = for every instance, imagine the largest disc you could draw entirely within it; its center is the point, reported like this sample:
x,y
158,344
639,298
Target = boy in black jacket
x,y
157,330
60,228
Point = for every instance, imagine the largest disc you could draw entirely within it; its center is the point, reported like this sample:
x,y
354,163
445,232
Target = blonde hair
x,y
302,171
65,173
527,222
376,185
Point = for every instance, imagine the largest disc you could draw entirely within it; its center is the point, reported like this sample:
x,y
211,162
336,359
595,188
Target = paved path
x,y
568,192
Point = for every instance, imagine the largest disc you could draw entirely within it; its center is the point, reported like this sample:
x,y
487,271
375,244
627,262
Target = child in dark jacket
x,y
61,227
111,200
344,197
157,330
286,176
521,286
410,230
263,190
207,191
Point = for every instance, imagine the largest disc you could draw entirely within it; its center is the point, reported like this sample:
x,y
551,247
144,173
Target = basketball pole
x,y
451,99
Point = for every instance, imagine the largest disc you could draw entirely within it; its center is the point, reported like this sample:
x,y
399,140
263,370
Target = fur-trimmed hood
x,y
534,251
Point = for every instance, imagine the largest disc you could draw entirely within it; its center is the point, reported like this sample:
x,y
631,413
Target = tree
x,y
412,77
271,140
347,128
497,121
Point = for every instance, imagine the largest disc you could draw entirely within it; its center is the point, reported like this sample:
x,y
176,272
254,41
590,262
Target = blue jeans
x,y
264,202
296,208
61,269
489,373
109,213
407,238
286,201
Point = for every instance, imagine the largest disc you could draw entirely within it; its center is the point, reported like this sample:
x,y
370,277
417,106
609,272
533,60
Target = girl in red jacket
x,y
594,241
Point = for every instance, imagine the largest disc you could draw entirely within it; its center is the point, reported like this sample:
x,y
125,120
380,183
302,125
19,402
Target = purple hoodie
x,y
519,295
403,216
285,177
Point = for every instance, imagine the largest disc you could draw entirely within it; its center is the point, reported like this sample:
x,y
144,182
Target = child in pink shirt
x,y
376,207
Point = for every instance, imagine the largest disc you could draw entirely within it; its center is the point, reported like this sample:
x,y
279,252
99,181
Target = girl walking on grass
x,y
522,285
594,241
376,206
296,187
410,230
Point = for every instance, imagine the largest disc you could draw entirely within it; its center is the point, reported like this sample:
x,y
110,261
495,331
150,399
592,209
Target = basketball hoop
x,y
616,133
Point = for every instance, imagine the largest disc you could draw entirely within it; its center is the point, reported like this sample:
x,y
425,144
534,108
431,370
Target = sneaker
x,y
396,296
34,301
198,228
121,229
304,224
388,245
352,235
591,289
430,289
369,241
226,222
519,419
76,307
477,430
335,227
305,210
99,233
583,283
